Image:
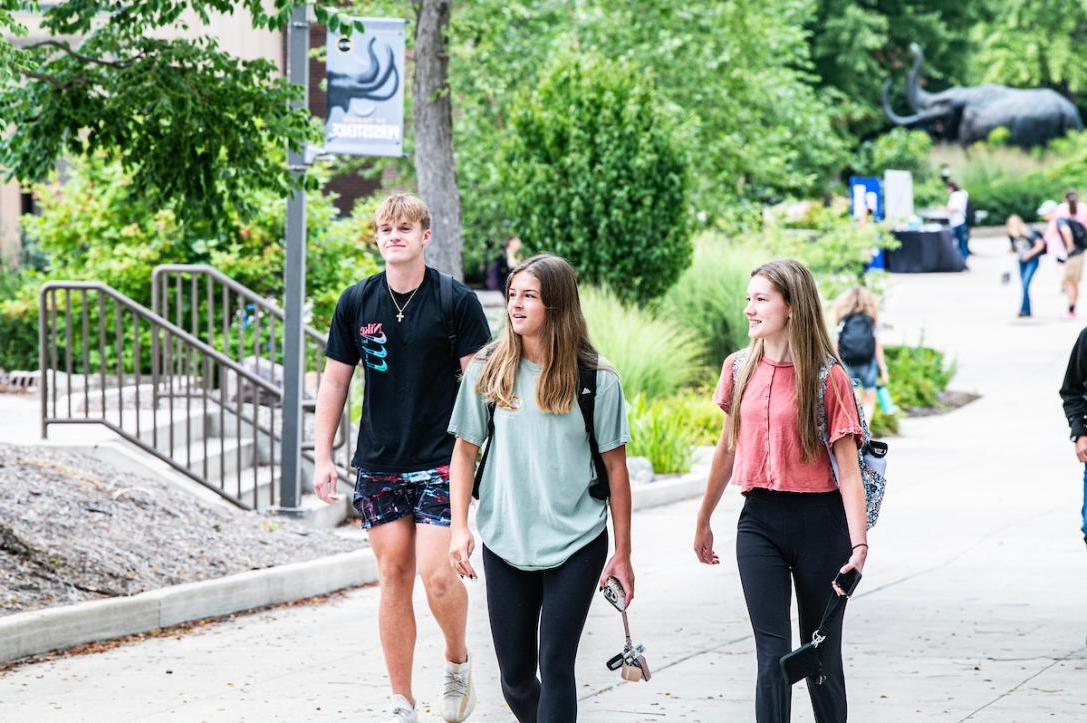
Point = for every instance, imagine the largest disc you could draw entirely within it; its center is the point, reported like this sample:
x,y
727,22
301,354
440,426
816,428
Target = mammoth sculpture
x,y
1033,116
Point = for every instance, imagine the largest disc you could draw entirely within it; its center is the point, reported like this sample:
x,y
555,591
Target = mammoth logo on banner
x,y
366,90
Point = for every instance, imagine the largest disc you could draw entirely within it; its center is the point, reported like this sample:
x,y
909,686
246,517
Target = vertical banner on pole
x,y
366,90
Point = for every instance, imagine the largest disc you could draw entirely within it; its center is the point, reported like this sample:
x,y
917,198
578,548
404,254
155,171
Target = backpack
x,y
599,489
856,339
871,453
1079,233
445,296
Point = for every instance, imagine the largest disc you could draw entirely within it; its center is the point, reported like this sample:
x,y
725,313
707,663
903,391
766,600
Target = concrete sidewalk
x,y
972,606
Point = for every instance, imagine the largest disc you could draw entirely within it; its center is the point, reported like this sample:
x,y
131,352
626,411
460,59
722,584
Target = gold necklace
x,y
399,308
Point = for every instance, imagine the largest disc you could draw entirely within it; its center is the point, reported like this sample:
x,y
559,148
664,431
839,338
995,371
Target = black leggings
x,y
802,535
556,602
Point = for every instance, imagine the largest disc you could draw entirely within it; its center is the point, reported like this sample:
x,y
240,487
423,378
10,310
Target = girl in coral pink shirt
x,y
798,526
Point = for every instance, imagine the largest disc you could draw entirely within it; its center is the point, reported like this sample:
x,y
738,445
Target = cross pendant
x,y
400,316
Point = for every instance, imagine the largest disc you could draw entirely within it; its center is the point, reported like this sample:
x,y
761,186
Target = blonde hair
x,y
857,300
810,344
403,207
566,343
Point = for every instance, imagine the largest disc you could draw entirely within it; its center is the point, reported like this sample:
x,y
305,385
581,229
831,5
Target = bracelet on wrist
x,y
861,544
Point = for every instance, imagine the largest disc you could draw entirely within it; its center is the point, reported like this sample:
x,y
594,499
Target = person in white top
x,y
956,206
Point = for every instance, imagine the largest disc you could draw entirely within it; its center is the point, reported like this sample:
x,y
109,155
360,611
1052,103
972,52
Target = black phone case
x,y
803,663
844,578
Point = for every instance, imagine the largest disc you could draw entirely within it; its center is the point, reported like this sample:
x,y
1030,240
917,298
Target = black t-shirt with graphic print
x,y
409,372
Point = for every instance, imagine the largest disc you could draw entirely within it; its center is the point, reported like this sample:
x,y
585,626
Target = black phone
x,y
847,581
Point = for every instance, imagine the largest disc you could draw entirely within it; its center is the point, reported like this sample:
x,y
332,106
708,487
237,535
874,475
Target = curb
x,y
656,494
40,631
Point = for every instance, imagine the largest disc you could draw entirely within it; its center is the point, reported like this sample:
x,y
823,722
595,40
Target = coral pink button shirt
x,y
768,451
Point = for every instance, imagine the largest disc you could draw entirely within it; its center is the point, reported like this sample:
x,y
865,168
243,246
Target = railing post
x,y
43,384
290,490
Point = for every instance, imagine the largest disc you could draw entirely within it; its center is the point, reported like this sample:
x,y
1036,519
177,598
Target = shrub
x,y
18,322
899,149
1004,180
704,418
904,150
918,375
654,357
1069,168
597,173
659,431
709,298
836,249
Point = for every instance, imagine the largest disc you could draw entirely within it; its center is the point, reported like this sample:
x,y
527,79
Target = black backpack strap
x,y
445,293
486,450
600,489
370,281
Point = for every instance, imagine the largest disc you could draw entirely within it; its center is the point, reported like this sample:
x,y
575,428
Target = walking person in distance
x,y
1067,238
856,316
798,527
1028,245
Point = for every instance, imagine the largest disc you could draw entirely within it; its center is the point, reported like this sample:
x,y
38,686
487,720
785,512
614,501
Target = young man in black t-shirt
x,y
414,332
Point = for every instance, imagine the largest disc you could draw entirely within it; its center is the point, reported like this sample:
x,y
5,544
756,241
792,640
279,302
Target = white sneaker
x,y
458,693
403,710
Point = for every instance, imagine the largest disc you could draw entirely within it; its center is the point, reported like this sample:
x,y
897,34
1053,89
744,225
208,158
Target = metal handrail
x,y
230,283
213,366
161,304
154,318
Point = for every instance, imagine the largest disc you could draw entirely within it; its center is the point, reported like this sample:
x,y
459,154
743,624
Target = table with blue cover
x,y
924,252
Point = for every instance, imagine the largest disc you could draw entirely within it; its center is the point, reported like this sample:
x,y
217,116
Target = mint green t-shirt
x,y
534,505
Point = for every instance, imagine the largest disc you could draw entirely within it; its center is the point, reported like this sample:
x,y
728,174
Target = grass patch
x,y
708,299
654,357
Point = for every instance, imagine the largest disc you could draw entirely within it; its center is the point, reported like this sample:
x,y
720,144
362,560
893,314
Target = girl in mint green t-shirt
x,y
544,536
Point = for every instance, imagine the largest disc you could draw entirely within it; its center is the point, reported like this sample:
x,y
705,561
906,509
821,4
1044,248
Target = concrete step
x,y
217,460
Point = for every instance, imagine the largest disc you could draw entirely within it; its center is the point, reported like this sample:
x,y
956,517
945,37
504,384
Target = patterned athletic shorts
x,y
382,497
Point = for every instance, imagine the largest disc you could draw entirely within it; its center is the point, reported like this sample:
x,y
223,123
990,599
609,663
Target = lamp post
x,y
290,482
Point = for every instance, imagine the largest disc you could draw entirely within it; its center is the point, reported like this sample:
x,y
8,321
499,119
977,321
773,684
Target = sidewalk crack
x,y
1023,682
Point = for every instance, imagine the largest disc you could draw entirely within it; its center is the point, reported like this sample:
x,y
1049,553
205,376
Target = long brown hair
x,y
565,335
810,344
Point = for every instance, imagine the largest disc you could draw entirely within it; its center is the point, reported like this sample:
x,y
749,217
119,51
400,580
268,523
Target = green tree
x,y
12,59
738,71
856,46
191,123
597,173
1035,43
741,73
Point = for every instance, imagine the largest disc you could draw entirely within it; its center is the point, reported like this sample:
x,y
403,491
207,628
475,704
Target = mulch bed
x,y
74,528
947,401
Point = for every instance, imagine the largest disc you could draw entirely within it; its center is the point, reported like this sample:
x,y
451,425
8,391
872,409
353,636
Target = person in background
x,y
957,204
498,270
1028,244
1072,208
1074,398
857,317
1060,235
